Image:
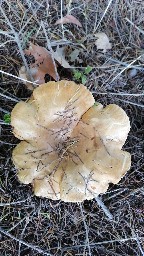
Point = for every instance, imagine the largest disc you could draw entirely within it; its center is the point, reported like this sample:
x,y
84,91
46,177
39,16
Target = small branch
x,y
33,247
22,234
68,7
13,203
5,111
31,17
103,14
137,238
140,30
62,18
119,93
3,44
128,66
130,102
105,209
17,40
101,243
7,34
23,57
86,229
50,49
7,143
9,98
17,77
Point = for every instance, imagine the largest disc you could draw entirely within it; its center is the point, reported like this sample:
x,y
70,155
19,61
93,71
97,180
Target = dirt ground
x,y
38,226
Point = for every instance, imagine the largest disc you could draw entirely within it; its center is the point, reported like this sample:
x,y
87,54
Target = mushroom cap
x,y
54,110
71,149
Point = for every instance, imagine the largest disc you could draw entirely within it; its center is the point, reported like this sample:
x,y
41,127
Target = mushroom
x,y
71,149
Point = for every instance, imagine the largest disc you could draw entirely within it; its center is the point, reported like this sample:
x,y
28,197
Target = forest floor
x,y
39,226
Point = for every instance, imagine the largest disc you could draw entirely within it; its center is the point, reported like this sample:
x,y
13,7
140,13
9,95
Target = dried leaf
x,y
59,55
68,19
44,64
23,74
102,42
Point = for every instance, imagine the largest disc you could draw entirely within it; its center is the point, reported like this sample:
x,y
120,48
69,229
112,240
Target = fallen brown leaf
x,y
68,19
44,64
102,42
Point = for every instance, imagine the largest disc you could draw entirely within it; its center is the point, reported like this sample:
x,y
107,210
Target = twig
x,y
7,143
8,97
6,34
140,30
132,103
139,246
128,66
69,6
50,49
34,13
18,223
123,63
13,203
105,209
5,91
117,194
3,44
62,18
100,243
13,227
21,236
119,93
136,236
3,123
17,40
86,229
17,77
5,111
33,247
103,14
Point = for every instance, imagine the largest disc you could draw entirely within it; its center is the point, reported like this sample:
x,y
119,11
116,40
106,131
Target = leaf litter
x,y
68,19
44,63
102,42
59,55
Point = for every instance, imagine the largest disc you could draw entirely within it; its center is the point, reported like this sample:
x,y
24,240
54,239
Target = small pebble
x,y
132,73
